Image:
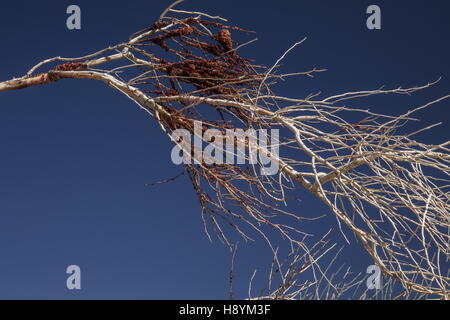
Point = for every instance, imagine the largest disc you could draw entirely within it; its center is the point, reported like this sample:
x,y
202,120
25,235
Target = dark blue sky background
x,y
76,155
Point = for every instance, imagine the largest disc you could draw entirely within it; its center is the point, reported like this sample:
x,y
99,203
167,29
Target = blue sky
x,y
76,155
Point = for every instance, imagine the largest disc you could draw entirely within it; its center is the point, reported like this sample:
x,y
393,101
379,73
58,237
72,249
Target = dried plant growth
x,y
389,190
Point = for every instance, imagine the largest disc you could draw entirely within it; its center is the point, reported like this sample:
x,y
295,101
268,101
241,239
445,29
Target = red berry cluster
x,y
71,66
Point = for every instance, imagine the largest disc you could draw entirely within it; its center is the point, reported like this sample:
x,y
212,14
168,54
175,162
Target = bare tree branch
x,y
389,190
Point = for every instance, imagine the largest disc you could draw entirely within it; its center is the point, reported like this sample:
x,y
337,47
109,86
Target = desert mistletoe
x,y
71,66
